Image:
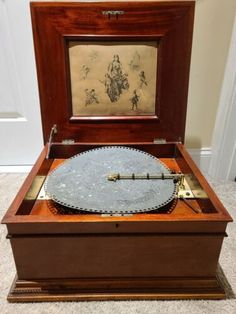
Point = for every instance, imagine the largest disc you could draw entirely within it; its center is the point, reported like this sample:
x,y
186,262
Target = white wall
x,y
223,162
211,38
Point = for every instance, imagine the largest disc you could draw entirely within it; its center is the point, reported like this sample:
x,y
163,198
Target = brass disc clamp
x,y
160,176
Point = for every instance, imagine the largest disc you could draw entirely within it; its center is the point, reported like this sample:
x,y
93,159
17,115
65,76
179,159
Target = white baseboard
x,y
16,169
202,157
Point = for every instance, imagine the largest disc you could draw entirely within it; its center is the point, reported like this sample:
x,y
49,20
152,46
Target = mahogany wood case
x,y
171,254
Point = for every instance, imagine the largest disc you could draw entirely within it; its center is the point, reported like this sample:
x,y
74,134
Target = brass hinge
x,y
159,141
68,141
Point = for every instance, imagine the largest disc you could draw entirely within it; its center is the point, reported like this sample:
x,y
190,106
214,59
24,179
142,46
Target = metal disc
x,y
81,182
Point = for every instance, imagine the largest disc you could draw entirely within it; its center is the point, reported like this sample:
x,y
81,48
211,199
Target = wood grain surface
x,y
168,23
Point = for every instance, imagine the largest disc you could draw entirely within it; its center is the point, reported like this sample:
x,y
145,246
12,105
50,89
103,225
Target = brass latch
x,y
114,13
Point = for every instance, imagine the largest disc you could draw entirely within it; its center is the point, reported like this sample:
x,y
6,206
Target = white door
x,y
20,125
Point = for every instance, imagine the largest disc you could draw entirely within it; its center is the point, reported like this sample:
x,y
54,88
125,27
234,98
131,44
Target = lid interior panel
x,y
135,90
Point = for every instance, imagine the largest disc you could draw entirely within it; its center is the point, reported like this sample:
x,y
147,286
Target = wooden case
x,y
156,255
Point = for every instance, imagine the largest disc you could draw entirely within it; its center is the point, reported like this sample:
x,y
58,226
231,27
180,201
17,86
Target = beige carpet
x,y
9,184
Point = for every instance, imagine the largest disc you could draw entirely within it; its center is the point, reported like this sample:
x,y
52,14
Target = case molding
x,y
115,289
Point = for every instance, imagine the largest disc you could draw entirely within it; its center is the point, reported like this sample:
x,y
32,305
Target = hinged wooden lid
x,y
122,113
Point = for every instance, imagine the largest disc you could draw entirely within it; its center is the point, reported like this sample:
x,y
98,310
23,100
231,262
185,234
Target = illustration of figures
x,y
91,97
109,87
115,80
134,100
135,62
114,67
85,71
142,79
93,55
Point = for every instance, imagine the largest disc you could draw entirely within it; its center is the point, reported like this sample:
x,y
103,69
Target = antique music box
x,y
114,207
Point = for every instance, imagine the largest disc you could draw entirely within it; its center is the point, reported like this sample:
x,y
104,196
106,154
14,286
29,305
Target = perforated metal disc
x,y
81,182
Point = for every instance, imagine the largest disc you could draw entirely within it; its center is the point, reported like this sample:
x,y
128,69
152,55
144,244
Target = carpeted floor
x,y
9,184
